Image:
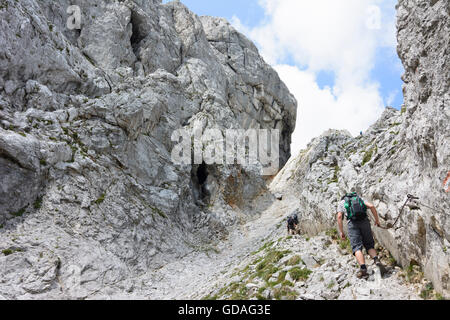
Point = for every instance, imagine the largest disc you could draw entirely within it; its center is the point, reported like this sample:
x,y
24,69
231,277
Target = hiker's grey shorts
x,y
360,234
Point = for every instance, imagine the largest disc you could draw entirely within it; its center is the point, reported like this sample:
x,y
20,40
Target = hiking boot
x,y
380,266
362,274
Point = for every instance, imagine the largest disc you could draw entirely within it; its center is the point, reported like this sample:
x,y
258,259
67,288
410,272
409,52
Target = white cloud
x,y
391,97
327,35
353,109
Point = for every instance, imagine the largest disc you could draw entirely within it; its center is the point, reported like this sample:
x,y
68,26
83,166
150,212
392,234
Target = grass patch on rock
x,y
345,245
413,273
100,199
427,292
159,212
7,252
19,213
38,203
284,293
335,178
368,155
295,260
298,273
333,234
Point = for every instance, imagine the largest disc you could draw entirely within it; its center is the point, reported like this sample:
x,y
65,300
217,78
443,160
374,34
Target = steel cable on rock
x,y
408,199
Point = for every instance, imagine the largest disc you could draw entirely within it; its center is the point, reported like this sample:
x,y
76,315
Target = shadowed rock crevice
x,y
137,33
199,178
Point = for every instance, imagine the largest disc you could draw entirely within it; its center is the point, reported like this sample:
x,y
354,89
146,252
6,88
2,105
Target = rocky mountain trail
x,y
275,266
192,276
93,205
259,261
313,268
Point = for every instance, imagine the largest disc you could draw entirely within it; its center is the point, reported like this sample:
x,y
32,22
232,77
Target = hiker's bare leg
x,y
360,257
372,253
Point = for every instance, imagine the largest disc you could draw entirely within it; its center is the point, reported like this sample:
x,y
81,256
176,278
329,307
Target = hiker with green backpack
x,y
359,231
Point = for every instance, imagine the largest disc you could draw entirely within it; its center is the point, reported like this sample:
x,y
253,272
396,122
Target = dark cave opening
x,y
199,178
202,174
138,31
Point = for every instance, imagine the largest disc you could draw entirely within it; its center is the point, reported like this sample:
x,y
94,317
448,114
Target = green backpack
x,y
355,206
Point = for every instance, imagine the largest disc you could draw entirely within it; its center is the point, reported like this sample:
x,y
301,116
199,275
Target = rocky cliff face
x,y
405,152
89,194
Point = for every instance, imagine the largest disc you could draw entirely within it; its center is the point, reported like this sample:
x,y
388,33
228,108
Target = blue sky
x,y
336,57
249,11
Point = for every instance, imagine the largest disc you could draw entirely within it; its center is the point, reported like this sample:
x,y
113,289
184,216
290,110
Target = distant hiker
x,y
292,224
359,230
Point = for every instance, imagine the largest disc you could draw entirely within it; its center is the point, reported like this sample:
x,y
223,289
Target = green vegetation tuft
x,y
333,234
4,5
392,260
295,260
264,247
335,178
287,283
265,267
159,212
282,276
38,203
403,109
300,273
284,293
101,199
18,213
427,291
239,291
413,273
209,297
75,143
7,252
367,156
439,296
345,245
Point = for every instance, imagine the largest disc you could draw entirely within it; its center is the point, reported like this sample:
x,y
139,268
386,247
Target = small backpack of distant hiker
x,y
292,220
355,206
